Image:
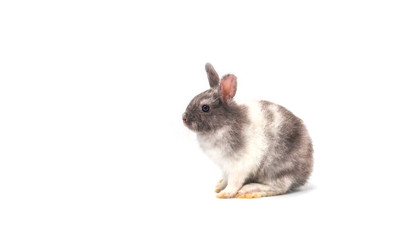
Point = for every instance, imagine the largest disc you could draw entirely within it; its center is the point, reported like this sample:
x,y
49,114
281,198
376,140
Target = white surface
x,y
92,144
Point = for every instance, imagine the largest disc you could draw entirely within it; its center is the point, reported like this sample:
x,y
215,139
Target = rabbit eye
x,y
205,108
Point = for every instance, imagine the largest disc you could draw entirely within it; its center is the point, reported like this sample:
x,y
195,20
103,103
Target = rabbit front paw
x,y
221,185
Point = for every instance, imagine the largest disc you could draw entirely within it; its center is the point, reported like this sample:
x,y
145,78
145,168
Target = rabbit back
x,y
286,151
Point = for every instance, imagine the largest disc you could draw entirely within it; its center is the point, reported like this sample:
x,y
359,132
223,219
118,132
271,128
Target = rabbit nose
x,y
184,118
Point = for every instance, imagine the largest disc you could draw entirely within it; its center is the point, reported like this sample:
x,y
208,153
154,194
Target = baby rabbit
x,y
261,147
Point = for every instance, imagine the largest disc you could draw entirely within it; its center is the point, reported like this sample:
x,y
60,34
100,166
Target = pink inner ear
x,y
228,87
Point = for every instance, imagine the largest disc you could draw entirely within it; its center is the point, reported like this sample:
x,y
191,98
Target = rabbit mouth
x,y
190,125
188,122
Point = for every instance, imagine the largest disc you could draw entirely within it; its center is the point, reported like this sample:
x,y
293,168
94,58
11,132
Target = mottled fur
x,y
261,147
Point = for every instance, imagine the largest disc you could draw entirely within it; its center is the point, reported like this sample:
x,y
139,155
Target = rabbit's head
x,y
213,108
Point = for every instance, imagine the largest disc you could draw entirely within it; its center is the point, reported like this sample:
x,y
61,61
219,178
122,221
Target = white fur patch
x,y
212,145
256,142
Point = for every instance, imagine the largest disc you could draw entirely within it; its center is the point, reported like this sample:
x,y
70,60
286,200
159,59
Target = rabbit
x,y
261,147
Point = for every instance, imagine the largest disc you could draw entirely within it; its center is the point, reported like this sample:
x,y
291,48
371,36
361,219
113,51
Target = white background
x,y
92,145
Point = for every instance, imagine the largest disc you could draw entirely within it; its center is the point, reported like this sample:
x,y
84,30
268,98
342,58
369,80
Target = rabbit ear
x,y
228,87
212,75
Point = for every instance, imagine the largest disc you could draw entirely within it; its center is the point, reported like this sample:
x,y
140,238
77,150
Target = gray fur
x,y
287,162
